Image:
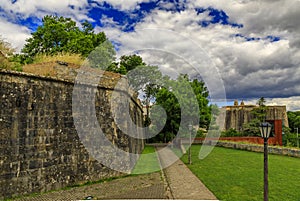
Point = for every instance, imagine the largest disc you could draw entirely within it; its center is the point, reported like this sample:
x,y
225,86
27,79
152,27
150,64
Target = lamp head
x,y
265,129
190,127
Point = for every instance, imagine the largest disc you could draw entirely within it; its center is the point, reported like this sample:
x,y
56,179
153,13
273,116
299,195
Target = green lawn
x,y
148,162
238,175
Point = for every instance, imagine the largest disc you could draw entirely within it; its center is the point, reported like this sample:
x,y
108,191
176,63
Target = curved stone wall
x,y
39,146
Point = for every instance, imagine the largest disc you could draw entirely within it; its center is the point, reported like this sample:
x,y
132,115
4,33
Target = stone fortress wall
x,y
40,149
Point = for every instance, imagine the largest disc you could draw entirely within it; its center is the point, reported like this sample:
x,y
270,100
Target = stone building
x,y
239,114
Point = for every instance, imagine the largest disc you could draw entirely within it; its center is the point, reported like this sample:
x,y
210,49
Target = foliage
x,y
259,115
252,128
22,59
294,120
261,101
6,57
102,56
170,100
126,64
290,139
201,93
142,78
6,49
130,62
200,133
59,34
231,133
214,112
234,175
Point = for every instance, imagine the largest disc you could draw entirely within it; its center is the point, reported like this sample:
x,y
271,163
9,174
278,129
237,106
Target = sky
x,y
242,49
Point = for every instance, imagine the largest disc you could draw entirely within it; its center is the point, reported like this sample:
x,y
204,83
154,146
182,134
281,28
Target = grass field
x,y
236,175
148,162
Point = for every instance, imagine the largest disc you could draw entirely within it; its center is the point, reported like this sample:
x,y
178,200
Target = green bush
x,y
231,133
200,133
291,140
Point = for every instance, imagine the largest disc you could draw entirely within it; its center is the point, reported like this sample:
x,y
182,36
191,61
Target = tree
x,y
294,120
6,49
126,64
176,99
261,101
202,97
6,56
259,115
145,79
130,62
59,34
103,56
260,111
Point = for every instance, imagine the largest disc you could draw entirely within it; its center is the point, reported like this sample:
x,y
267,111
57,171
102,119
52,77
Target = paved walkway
x,y
148,186
174,182
182,183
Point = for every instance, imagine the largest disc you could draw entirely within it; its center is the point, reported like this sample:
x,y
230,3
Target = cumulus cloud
x,y
291,103
124,4
24,8
248,68
14,34
31,12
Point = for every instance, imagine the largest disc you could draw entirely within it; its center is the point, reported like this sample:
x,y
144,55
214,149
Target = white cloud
x,y
14,34
292,103
248,68
76,9
124,4
22,9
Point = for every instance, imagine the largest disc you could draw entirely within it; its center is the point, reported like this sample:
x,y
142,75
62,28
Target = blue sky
x,y
246,48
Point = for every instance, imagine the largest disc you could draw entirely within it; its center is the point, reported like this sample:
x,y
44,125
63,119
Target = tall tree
x,y
294,120
259,115
144,79
166,98
59,34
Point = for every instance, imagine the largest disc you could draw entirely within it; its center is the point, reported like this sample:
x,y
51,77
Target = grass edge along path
x,y
148,161
235,175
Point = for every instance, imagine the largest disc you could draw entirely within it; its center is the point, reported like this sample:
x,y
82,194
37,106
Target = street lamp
x,y
265,129
190,129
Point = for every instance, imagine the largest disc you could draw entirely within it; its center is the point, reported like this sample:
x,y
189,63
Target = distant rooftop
x,y
236,104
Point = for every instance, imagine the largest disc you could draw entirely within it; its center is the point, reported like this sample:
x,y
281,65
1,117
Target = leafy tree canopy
x,y
59,34
259,115
294,121
176,99
6,49
126,64
6,59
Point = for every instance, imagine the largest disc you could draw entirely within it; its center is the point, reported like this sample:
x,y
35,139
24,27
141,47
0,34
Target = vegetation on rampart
x,y
60,40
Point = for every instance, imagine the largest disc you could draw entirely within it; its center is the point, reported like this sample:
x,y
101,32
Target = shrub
x,y
231,133
200,133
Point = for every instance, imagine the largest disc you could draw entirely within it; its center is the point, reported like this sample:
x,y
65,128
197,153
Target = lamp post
x,y
265,129
190,129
